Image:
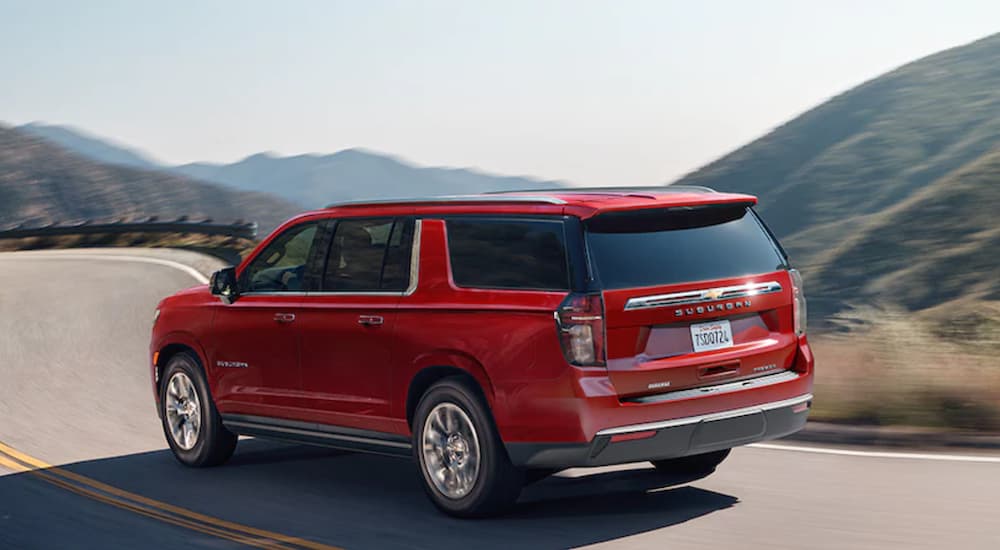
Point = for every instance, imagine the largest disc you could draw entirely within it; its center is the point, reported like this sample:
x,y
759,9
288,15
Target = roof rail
x,y
615,190
453,198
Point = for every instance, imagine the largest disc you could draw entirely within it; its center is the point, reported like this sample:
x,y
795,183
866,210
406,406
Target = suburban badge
x,y
681,312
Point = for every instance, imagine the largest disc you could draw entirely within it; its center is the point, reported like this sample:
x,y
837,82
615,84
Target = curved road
x,y
74,393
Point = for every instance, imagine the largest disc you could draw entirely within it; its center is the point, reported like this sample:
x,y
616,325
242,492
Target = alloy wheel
x,y
183,410
451,450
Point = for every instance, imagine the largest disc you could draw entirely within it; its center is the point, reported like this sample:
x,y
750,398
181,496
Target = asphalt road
x,y
74,392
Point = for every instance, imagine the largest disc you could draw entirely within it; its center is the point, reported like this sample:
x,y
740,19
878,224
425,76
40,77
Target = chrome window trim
x,y
726,387
274,293
415,258
358,293
702,295
651,426
326,293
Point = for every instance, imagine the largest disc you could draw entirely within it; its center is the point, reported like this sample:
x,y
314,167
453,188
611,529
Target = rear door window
x,y
369,255
524,254
667,246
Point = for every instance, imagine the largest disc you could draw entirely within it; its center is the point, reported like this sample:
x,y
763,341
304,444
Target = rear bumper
x,y
670,438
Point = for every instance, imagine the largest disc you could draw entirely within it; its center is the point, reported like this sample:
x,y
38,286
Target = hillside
x,y
311,180
940,244
888,191
44,183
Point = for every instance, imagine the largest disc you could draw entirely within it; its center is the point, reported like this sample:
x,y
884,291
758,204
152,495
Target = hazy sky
x,y
591,92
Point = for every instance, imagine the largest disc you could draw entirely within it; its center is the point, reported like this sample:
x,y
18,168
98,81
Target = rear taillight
x,y
580,321
798,302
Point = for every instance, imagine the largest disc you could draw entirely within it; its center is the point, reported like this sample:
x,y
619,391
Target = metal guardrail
x,y
245,230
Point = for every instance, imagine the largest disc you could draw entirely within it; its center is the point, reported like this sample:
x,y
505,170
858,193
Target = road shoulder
x,y
893,437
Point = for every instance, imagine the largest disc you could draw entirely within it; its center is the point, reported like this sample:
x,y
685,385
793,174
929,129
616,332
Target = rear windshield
x,y
667,246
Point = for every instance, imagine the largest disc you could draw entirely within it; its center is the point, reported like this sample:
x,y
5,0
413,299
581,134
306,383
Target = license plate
x,y
714,335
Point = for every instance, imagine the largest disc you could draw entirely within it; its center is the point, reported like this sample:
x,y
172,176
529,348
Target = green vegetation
x,y
938,246
889,191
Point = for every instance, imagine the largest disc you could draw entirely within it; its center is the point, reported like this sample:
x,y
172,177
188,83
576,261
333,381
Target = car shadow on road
x,y
364,501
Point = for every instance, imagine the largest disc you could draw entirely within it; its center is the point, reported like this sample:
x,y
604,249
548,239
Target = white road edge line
x,y
197,275
877,454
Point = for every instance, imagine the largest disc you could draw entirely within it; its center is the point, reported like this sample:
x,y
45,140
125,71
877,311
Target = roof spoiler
x,y
667,218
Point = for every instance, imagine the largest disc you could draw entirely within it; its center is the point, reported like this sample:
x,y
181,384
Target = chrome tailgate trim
x,y
702,295
758,382
650,426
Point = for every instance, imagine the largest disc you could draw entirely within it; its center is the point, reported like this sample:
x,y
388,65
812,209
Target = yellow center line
x,y
194,526
11,465
20,462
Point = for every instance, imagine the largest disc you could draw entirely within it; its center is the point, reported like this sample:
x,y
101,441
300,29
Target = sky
x,y
589,92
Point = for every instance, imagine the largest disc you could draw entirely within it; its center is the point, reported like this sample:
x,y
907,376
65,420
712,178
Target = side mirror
x,y
223,285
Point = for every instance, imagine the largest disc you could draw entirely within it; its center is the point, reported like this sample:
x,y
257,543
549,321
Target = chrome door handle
x,y
370,320
284,317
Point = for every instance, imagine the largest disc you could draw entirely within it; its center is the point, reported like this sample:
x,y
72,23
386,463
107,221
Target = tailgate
x,y
742,329
693,296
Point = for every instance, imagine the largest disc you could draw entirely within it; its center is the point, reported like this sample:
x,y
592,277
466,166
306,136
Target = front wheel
x,y
694,464
191,423
463,463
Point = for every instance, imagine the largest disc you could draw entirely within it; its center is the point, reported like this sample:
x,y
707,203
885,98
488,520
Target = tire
x,y
458,428
694,464
195,434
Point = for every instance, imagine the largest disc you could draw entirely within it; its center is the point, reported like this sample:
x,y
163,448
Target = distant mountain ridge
x,y
90,146
317,180
41,183
309,180
854,186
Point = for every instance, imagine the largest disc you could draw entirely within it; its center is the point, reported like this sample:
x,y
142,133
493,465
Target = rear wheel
x,y
463,463
191,423
694,464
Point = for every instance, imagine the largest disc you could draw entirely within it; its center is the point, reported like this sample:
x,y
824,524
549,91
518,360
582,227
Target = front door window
x,y
281,267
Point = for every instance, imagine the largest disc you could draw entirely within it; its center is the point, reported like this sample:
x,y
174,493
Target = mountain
x,y
317,180
41,182
95,148
887,191
311,180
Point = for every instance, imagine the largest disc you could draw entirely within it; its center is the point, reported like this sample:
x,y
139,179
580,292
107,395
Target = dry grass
x,y
894,367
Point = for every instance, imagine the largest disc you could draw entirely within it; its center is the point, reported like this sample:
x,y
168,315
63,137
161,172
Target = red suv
x,y
496,338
